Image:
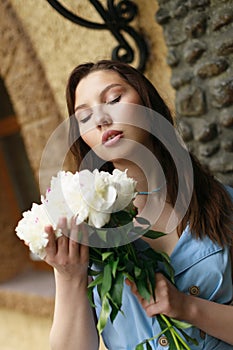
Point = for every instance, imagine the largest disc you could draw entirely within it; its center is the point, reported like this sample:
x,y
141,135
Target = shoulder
x,y
203,264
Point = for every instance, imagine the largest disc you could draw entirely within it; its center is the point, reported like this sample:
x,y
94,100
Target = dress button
x,y
163,341
194,290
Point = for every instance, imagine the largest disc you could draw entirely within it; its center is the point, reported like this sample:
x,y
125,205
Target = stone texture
x,y
222,18
205,131
174,36
202,74
172,58
222,93
181,78
222,164
226,118
193,51
186,130
198,3
162,16
212,67
225,46
190,102
195,25
208,150
227,144
180,10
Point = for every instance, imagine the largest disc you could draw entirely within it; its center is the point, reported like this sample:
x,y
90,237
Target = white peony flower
x,y
63,198
88,196
99,196
31,229
125,187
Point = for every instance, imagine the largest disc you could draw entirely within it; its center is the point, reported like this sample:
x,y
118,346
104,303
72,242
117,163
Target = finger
x,y
161,281
77,242
134,290
51,248
62,225
84,253
63,241
75,231
153,309
73,241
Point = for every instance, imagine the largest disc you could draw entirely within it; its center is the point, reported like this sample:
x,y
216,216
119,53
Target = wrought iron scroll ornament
x,y
116,19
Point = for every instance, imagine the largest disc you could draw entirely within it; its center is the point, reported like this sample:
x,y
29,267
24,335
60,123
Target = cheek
x,y
90,138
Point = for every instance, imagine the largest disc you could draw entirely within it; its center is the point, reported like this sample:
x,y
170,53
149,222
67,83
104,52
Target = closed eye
x,y
85,119
115,100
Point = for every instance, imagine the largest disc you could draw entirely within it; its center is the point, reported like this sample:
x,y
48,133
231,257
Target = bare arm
x,y
73,324
206,315
210,317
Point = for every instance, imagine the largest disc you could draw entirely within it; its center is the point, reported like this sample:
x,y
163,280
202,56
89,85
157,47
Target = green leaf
x,y
142,289
148,346
140,346
107,280
142,221
104,314
167,332
92,272
98,280
123,217
188,338
102,234
105,255
154,234
114,265
150,277
114,310
180,324
90,297
137,271
117,289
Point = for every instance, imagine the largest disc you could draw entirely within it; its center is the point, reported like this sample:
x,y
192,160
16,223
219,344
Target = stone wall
x,y
199,35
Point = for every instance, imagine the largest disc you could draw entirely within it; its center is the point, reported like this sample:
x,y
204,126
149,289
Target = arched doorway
x,y
28,116
18,187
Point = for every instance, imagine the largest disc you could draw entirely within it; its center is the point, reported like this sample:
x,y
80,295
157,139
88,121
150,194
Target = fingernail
x,y
62,221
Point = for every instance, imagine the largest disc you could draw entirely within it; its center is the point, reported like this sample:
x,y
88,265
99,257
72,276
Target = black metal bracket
x,y
116,19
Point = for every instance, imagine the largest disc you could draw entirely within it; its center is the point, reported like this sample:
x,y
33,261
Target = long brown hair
x,y
209,212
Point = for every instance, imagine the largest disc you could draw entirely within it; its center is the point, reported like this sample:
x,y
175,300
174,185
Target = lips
x,y
111,136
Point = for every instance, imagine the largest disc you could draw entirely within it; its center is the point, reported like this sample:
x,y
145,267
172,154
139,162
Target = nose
x,y
101,116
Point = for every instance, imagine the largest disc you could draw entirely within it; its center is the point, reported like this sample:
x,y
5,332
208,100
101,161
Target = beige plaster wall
x,y
60,45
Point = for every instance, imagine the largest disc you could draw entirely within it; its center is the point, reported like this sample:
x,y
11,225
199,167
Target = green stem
x,y
156,336
175,334
131,252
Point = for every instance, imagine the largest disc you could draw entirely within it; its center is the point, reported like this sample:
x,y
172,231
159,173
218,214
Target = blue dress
x,y
202,268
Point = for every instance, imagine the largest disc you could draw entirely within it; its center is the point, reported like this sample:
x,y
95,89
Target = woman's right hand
x,y
73,321
68,257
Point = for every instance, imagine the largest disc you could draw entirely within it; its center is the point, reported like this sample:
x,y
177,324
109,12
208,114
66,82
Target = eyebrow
x,y
103,92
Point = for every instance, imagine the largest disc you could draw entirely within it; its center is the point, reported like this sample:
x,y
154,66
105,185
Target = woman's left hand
x,y
169,301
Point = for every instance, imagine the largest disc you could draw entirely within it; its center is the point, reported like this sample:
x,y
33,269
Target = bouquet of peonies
x,y
105,203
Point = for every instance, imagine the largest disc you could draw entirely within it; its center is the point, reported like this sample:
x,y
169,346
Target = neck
x,y
148,178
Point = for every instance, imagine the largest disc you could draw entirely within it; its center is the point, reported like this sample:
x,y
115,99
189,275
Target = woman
x,y
105,101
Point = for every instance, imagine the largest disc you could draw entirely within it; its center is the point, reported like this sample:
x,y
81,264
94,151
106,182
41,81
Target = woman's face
x,y
108,109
